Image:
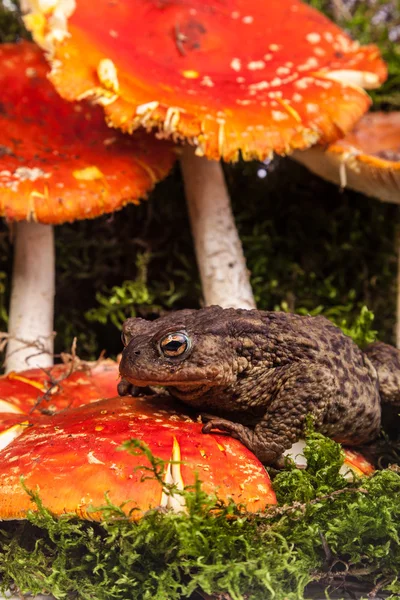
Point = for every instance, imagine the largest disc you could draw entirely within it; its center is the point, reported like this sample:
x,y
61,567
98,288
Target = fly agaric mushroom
x,y
366,160
58,162
58,388
245,76
72,459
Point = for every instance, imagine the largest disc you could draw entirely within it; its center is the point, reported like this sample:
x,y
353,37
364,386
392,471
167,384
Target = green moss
x,y
11,25
121,302
218,549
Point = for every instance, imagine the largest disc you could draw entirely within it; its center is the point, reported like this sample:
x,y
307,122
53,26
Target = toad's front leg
x,y
129,389
267,449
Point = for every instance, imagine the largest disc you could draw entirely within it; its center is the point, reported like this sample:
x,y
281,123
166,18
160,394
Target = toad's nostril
x,y
137,352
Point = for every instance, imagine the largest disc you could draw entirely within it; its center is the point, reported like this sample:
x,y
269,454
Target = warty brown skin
x,y
261,373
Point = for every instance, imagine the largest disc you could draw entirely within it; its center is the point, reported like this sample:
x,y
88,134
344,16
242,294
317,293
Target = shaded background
x,y
310,247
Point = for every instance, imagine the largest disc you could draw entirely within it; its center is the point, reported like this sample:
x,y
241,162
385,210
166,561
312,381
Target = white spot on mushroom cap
x,y
255,65
207,81
278,115
312,108
248,19
107,74
31,174
236,64
276,82
302,84
313,38
324,84
261,85
311,63
12,180
30,72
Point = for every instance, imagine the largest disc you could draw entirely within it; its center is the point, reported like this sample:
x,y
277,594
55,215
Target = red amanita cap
x,y
57,388
59,161
366,160
73,459
249,75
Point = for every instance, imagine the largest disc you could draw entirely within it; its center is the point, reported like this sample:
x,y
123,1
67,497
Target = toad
x,y
261,373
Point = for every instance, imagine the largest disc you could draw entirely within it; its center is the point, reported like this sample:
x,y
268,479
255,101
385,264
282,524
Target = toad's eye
x,y
174,344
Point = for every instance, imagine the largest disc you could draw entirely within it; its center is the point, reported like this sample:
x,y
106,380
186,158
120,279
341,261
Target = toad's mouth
x,y
189,390
180,386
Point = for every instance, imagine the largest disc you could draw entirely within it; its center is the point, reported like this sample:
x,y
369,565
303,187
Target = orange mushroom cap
x,y
59,161
73,459
366,160
249,75
58,388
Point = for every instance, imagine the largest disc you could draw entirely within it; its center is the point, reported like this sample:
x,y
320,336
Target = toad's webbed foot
x,y
211,423
129,389
249,438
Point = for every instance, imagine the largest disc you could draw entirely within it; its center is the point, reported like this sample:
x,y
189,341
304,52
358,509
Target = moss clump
x,y
345,532
11,24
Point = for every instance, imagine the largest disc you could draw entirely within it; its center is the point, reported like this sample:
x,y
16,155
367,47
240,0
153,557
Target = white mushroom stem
x,y
222,266
32,298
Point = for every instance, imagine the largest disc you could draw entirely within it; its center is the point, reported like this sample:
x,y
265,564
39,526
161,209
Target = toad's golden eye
x,y
175,344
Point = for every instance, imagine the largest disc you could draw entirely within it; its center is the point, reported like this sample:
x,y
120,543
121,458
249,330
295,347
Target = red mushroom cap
x,y
73,459
59,161
366,160
249,75
58,388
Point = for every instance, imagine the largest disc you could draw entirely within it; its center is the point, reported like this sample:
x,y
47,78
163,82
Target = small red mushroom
x,y
58,162
242,76
57,388
367,159
354,462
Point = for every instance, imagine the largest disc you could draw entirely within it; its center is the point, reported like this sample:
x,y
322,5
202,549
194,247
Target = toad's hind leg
x,y
299,390
386,360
